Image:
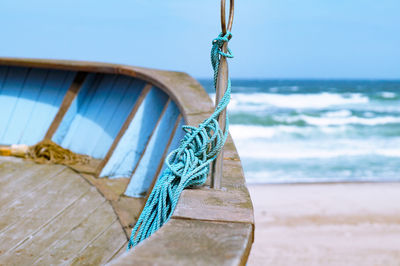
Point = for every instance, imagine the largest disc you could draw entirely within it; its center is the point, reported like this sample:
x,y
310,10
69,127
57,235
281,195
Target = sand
x,y
326,224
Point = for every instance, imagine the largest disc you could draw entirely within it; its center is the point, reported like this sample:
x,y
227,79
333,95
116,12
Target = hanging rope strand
x,y
189,164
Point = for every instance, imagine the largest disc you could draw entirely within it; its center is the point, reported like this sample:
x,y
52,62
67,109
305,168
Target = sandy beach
x,y
326,224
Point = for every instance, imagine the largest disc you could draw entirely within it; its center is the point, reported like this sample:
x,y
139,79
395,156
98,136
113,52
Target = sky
x,y
271,38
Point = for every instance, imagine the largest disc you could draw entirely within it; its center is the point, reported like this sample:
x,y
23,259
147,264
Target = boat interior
x,y
126,119
125,124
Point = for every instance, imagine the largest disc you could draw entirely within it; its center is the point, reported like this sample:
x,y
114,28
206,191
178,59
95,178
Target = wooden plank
x,y
212,205
137,134
148,164
120,115
103,117
81,100
43,215
101,249
46,106
3,76
23,207
79,237
128,211
183,242
88,119
38,242
24,106
8,168
161,164
68,98
24,182
121,251
172,142
12,87
125,126
178,136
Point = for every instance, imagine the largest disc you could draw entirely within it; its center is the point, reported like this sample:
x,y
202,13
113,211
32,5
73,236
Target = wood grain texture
x,y
46,106
187,242
24,105
66,103
131,146
124,127
149,163
51,215
206,204
108,242
11,89
162,164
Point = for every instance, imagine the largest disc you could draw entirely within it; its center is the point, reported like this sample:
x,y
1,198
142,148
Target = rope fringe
x,y
189,164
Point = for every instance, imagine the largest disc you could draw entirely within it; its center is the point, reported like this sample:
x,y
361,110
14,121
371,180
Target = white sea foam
x,y
339,113
268,151
388,94
254,101
252,131
280,177
256,142
337,121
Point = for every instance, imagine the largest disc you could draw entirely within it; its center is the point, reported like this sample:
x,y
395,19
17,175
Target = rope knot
x,y
219,42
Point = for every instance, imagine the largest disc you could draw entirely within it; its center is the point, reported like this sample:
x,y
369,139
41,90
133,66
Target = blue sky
x,y
272,38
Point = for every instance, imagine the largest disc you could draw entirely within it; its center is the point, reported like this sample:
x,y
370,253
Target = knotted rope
x,y
47,151
189,164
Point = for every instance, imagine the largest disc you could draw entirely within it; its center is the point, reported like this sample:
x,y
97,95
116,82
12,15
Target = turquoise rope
x,y
188,165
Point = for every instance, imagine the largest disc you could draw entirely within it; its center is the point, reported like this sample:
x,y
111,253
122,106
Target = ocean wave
x,y
271,152
338,118
269,143
252,131
350,120
339,113
285,177
388,95
242,101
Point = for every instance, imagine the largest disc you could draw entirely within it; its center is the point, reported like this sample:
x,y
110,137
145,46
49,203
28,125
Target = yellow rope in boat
x,y
47,151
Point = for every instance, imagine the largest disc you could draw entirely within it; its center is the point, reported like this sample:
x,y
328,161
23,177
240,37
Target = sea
x,y
302,131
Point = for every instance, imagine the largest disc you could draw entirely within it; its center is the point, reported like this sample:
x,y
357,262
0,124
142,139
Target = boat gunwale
x,y
159,78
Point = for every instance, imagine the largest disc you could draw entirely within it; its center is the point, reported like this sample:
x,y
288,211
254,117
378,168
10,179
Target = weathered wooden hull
x,y
127,119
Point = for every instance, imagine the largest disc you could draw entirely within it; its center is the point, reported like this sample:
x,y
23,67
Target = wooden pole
x,y
222,83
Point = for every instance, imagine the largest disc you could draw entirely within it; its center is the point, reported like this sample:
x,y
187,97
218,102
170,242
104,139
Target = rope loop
x,y
189,164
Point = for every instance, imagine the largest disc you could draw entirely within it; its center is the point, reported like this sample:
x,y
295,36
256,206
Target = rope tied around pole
x,y
189,164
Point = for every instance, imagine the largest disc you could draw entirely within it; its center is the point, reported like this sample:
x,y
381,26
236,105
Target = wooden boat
x,y
126,119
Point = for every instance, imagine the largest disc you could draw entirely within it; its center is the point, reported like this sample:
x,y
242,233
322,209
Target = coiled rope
x,y
188,165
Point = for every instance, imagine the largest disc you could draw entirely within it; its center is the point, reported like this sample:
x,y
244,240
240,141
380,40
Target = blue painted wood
x,y
47,105
88,122
148,165
97,114
24,106
176,141
12,87
72,112
132,144
3,75
116,112
29,100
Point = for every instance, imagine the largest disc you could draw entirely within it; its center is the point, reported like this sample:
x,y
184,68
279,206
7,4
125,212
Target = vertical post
x,y
222,82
